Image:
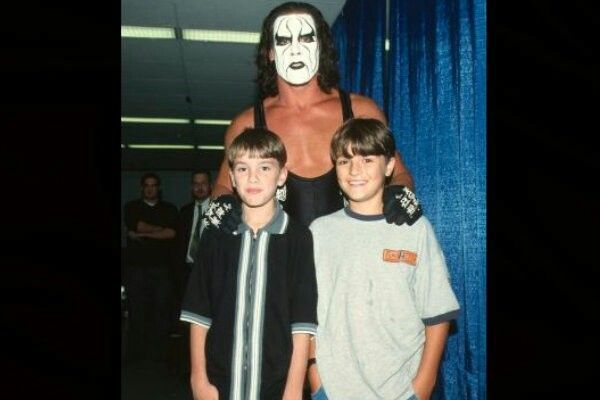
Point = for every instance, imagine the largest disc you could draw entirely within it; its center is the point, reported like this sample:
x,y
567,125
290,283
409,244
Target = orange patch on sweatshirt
x,y
404,256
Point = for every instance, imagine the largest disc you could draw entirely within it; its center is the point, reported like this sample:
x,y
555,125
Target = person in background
x,y
190,225
151,225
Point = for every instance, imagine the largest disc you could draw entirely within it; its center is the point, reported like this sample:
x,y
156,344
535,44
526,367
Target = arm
x,y
295,378
364,107
166,229
401,175
238,124
313,373
145,227
435,340
201,387
162,234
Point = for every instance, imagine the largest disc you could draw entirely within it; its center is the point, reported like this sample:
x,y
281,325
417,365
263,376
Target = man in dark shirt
x,y
151,225
190,221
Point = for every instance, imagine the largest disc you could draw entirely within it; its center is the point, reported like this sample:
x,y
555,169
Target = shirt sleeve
x,y
196,307
434,297
304,289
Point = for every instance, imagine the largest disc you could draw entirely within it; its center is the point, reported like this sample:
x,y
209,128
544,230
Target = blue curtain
x,y
361,50
435,86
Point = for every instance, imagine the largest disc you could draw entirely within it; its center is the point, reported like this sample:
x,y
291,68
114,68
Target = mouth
x,y
356,183
297,65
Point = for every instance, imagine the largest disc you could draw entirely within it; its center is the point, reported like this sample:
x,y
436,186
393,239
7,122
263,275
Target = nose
x,y
355,167
295,48
253,175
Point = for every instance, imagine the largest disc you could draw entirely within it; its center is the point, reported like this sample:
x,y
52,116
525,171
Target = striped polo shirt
x,y
253,292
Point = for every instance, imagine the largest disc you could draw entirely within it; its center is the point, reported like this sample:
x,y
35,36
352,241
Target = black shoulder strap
x,y
346,105
259,115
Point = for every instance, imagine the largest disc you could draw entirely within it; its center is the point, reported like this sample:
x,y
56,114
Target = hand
x,y
205,391
422,388
224,212
400,205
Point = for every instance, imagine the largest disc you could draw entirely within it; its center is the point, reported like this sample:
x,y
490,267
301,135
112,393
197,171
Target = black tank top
x,y
310,198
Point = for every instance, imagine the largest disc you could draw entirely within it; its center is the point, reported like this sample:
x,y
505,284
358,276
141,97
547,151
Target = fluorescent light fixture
x,y
206,35
156,120
210,147
148,32
387,45
212,121
162,146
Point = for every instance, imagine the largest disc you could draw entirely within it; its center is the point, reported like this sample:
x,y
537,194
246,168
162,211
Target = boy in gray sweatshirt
x,y
385,299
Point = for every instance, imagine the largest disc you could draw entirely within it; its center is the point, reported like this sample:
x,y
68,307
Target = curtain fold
x,y
435,84
359,36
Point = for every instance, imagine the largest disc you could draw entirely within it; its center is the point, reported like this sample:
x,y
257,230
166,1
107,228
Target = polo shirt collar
x,y
276,226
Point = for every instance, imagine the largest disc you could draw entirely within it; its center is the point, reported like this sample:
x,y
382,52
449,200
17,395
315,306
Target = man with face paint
x,y
301,102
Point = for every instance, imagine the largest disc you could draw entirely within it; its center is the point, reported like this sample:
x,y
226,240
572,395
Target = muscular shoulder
x,y
365,107
132,205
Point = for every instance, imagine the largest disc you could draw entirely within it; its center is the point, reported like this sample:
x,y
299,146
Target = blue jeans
x,y
319,394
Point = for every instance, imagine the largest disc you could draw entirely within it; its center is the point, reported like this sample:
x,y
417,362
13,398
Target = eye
x,y
265,168
240,169
341,161
367,160
308,38
282,40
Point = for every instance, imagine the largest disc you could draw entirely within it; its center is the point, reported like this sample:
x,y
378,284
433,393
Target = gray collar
x,y
276,226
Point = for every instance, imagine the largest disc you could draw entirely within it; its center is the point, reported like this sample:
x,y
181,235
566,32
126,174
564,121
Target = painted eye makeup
x,y
308,38
282,40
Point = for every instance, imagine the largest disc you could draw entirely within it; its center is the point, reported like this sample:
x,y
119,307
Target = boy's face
x,y
256,179
362,179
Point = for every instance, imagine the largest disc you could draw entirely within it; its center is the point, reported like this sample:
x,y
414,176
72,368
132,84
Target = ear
x,y
282,176
232,179
389,168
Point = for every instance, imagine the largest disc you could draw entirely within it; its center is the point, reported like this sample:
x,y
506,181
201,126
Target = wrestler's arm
x,y
364,107
238,124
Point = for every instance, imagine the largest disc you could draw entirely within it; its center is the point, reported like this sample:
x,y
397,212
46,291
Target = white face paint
x,y
296,48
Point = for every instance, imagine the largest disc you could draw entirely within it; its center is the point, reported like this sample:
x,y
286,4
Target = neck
x,y
257,217
299,96
371,207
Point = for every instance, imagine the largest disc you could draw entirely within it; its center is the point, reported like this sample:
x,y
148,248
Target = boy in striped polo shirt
x,y
251,297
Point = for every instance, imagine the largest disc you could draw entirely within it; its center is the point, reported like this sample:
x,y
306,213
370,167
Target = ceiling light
x,y
123,146
156,120
212,121
162,146
206,35
210,147
147,32
387,45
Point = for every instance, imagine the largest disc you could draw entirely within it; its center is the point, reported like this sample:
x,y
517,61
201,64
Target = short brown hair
x,y
365,136
257,143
